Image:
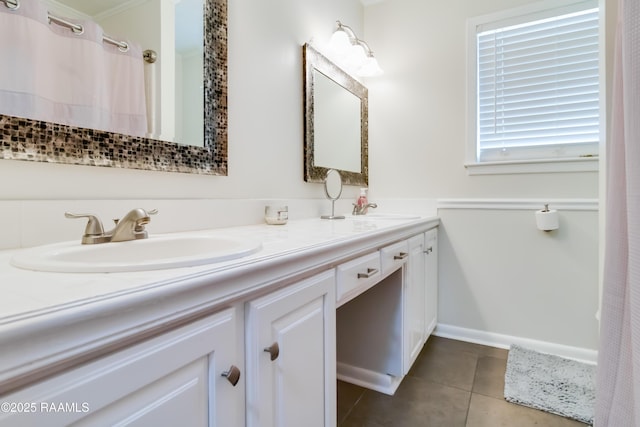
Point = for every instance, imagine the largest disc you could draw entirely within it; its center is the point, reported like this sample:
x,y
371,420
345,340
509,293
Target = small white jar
x,y
276,215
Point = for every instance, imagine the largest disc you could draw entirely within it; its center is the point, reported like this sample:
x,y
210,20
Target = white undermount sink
x,y
153,253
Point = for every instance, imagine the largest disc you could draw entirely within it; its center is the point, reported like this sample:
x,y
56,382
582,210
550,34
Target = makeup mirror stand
x,y
333,190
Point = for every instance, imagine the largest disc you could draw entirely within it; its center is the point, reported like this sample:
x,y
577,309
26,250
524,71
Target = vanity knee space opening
x,y
369,336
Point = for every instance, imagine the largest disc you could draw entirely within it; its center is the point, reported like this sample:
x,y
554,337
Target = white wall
x,y
499,275
265,83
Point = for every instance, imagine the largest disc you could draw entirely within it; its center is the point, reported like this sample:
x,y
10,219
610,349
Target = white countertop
x,y
34,305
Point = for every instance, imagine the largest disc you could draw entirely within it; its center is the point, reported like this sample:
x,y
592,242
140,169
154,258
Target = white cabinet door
x,y
170,380
290,353
431,280
414,302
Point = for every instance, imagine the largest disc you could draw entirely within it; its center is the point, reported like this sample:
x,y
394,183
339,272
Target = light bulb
x,y
358,54
339,42
370,68
355,58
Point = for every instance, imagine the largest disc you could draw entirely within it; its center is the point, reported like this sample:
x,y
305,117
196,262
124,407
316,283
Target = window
x,y
535,87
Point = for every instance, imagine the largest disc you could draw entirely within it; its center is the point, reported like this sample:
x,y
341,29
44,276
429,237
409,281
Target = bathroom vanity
x,y
256,341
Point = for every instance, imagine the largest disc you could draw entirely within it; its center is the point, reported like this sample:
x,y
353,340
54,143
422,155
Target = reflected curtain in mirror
x,y
336,121
69,75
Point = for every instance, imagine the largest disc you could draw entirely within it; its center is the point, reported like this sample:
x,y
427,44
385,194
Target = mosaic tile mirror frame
x,y
32,140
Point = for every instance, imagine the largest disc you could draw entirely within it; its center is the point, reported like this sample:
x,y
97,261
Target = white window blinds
x,y
538,89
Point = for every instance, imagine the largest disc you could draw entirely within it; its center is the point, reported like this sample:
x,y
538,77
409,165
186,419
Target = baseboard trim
x,y
383,383
504,341
519,204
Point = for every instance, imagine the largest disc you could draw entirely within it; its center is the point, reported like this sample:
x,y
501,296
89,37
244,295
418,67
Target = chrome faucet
x,y
130,227
362,209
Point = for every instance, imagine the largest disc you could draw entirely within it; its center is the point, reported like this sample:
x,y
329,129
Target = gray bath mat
x,y
550,383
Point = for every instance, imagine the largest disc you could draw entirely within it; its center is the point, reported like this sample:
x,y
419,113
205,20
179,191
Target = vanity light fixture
x,y
352,53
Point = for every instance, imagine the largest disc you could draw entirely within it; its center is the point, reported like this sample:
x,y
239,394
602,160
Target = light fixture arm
x,y
348,31
353,38
365,46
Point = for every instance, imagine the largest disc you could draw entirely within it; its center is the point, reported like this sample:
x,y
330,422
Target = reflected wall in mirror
x,y
194,139
336,121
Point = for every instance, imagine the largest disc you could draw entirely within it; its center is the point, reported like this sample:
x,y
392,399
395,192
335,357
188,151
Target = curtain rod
x,y
76,28
79,29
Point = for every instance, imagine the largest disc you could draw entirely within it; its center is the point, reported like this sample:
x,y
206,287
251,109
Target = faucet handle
x,y
94,226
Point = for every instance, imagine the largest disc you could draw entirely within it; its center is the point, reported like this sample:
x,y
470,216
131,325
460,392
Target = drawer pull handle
x,y
370,272
401,255
429,250
273,350
232,375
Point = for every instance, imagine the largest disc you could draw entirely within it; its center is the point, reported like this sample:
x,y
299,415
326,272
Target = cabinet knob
x,y
232,375
428,250
273,350
370,272
401,255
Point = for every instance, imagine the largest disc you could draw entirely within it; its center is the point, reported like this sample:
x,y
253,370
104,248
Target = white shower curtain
x,y
618,379
49,73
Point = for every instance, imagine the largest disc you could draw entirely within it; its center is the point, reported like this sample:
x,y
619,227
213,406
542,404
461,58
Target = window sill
x,y
579,164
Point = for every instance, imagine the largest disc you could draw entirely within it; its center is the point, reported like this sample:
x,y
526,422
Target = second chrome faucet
x,y
130,227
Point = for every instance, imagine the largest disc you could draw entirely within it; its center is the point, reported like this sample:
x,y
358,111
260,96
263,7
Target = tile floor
x,y
451,384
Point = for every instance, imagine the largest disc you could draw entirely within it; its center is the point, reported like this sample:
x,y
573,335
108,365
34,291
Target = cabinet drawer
x,y
393,256
356,276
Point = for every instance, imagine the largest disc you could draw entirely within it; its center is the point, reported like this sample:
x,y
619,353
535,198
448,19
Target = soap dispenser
x,y
362,199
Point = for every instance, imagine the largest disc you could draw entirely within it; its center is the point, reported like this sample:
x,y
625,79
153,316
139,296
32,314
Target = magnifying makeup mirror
x,y
333,190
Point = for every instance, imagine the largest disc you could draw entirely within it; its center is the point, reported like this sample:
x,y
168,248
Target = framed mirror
x,y
336,121
42,141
